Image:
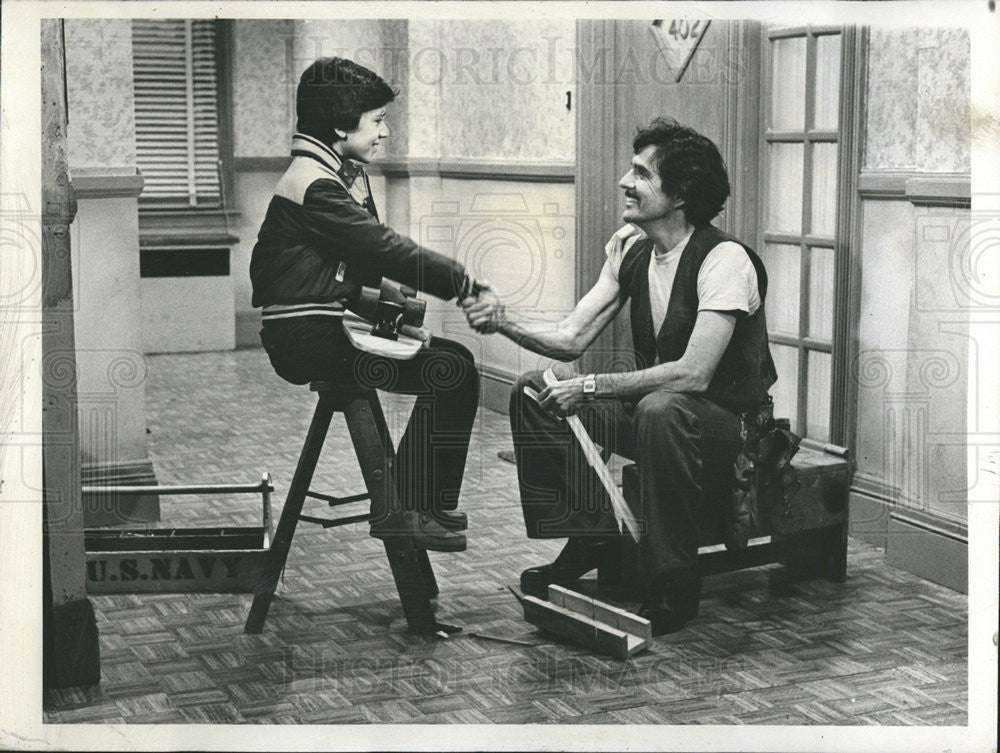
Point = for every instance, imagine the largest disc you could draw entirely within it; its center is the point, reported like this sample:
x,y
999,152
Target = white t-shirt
x,y
727,280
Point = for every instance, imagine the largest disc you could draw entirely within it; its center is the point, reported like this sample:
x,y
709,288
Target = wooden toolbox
x,y
178,560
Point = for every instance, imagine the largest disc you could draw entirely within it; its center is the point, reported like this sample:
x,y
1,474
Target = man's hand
x,y
485,313
563,398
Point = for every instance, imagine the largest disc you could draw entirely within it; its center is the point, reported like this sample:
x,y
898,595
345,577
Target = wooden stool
x,y
411,568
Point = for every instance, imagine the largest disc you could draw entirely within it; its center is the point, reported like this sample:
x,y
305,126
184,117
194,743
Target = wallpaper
x,y
918,100
492,89
263,89
101,131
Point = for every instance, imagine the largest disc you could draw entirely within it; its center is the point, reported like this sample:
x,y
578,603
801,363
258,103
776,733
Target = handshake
x,y
483,310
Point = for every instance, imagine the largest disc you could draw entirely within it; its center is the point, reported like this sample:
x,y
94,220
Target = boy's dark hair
x,y
335,93
690,168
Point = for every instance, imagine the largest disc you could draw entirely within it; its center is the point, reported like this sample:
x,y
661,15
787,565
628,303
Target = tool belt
x,y
763,466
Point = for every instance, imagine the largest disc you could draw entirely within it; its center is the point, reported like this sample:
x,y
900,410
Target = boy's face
x,y
362,143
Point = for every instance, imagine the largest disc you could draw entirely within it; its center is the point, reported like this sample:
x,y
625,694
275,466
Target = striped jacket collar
x,y
305,145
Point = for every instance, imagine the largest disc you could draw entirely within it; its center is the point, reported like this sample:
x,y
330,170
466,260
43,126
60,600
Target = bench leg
x,y
835,553
821,552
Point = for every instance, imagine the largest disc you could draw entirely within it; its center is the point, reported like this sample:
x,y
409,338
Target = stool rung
x,y
334,522
334,501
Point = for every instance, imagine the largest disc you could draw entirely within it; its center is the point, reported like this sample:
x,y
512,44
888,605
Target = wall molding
x,y
928,554
106,183
919,188
534,171
496,385
935,523
900,508
523,171
875,487
930,545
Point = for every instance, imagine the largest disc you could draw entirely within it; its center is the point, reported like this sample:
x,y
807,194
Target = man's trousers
x,y
684,445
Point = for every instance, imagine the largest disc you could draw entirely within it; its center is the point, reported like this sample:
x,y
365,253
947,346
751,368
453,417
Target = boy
x,y
320,242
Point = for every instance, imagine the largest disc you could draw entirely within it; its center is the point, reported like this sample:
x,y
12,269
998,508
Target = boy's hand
x,y
486,313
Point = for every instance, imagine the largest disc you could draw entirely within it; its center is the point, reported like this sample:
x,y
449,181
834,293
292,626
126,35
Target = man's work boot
x,y
425,532
580,555
673,602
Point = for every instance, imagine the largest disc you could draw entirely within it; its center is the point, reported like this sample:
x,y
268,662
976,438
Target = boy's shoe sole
x,y
426,533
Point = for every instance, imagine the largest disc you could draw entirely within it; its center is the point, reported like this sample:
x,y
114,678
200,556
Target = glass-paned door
x,y
798,243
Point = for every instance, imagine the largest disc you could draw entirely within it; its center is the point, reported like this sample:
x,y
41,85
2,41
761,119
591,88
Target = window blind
x,y
176,111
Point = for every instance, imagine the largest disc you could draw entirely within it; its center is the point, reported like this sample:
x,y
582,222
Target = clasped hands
x,y
487,314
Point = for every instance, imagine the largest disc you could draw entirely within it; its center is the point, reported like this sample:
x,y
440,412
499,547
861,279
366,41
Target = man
x,y
320,242
702,357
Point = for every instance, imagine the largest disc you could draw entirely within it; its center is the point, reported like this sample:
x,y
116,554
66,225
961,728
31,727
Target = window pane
x,y
781,307
824,189
818,396
827,81
821,285
785,390
784,188
788,84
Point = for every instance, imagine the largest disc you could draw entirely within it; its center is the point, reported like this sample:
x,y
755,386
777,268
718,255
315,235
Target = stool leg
x,y
274,562
428,571
373,447
411,568
411,584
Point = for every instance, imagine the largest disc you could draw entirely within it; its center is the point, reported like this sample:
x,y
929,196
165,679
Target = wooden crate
x,y
807,528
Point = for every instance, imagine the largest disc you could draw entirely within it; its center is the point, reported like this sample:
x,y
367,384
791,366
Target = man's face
x,y
362,143
644,198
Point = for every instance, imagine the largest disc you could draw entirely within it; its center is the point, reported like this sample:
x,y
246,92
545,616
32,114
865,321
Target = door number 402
x,y
683,29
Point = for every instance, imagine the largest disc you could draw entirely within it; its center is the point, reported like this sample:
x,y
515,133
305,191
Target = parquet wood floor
x,y
884,648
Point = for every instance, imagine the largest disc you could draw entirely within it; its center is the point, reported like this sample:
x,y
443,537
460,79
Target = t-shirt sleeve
x,y
618,246
727,281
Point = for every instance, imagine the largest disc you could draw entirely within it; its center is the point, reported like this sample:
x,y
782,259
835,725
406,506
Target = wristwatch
x,y
590,386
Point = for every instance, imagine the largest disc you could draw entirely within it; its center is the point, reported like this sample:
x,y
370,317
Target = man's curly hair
x,y
690,168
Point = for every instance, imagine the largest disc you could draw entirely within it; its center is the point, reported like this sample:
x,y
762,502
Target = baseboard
x,y
931,554
110,510
869,519
930,546
248,329
495,387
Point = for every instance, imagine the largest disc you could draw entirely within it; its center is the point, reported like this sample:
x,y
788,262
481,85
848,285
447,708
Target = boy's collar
x,y
305,145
